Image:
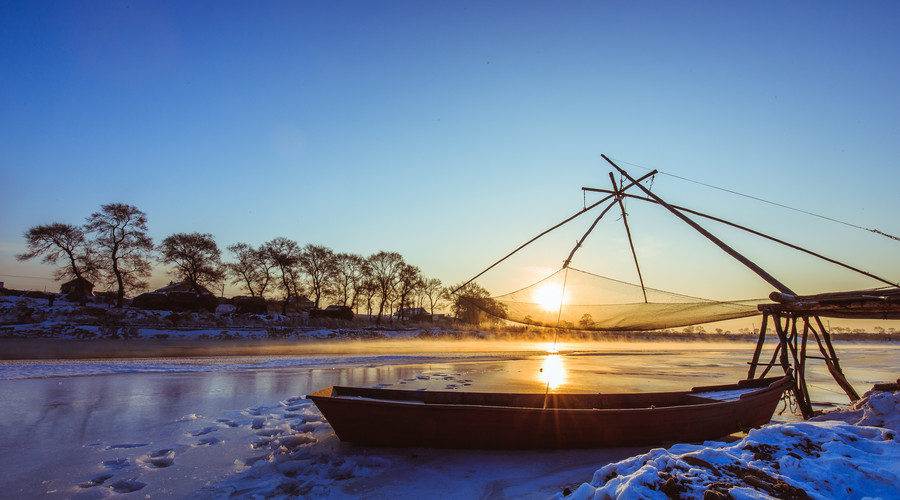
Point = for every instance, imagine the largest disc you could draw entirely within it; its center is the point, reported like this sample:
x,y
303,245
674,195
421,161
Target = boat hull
x,y
397,418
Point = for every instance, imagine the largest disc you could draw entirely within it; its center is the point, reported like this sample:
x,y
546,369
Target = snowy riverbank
x,y
851,453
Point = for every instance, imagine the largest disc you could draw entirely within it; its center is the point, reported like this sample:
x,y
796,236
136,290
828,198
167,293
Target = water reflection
x,y
553,372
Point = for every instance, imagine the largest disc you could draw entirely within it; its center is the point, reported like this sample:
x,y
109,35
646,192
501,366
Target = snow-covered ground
x,y
27,317
850,453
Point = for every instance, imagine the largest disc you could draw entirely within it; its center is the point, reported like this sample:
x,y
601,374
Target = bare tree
x,y
385,268
434,293
196,258
61,242
408,279
284,254
124,248
368,289
349,272
319,264
252,270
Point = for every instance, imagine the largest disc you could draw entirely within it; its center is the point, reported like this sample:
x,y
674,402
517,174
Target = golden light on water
x,y
549,296
553,373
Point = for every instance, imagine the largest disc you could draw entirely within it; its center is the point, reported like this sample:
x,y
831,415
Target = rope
x,y
763,200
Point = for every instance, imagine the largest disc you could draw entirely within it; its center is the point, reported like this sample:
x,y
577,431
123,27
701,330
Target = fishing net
x,y
574,299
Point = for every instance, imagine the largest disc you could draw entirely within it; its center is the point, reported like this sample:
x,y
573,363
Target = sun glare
x,y
549,296
552,372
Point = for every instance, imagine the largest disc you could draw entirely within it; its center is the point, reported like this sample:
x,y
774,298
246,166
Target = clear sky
x,y
453,131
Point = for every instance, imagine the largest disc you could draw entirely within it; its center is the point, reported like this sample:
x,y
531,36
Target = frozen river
x,y
183,427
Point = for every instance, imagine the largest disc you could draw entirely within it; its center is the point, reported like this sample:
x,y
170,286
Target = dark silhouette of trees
x,y
319,265
113,246
196,257
350,269
408,280
252,270
473,304
284,255
61,242
385,268
123,246
433,292
368,289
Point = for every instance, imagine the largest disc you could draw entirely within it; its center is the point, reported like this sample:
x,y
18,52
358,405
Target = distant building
x,y
183,286
416,313
178,297
77,289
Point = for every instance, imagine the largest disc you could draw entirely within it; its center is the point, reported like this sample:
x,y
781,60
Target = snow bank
x,y
26,317
850,453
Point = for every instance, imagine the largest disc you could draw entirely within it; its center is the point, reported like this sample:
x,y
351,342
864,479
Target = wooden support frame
x,y
792,352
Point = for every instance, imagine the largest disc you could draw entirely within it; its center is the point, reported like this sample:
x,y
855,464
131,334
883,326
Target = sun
x,y
549,296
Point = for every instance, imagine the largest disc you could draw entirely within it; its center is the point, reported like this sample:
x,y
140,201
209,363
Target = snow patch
x,y
850,453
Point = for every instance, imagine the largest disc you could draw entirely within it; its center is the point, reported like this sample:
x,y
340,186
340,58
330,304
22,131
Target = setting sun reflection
x,y
553,373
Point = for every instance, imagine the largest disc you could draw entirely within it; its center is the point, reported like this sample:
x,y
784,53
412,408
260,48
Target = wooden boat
x,y
445,419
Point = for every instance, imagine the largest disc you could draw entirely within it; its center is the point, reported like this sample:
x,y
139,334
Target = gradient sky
x,y
453,131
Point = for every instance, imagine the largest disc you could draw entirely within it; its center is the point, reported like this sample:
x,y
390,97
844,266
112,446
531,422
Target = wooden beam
x,y
759,346
730,251
628,232
532,240
590,229
757,233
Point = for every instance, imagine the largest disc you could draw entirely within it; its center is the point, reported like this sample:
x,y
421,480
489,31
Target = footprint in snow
x,y
127,446
249,461
269,432
209,441
127,486
116,464
305,426
95,481
262,443
204,431
159,459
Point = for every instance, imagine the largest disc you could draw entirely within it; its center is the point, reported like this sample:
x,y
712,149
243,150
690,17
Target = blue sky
x,y
451,132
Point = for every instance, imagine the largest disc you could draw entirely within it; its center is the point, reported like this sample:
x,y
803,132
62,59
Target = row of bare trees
x,y
382,279
113,248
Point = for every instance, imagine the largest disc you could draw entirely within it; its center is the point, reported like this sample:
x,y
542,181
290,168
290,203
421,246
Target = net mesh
x,y
574,299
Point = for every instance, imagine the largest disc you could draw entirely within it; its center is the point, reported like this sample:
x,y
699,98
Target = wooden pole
x,y
628,232
766,236
834,366
759,345
579,243
532,240
730,251
802,400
